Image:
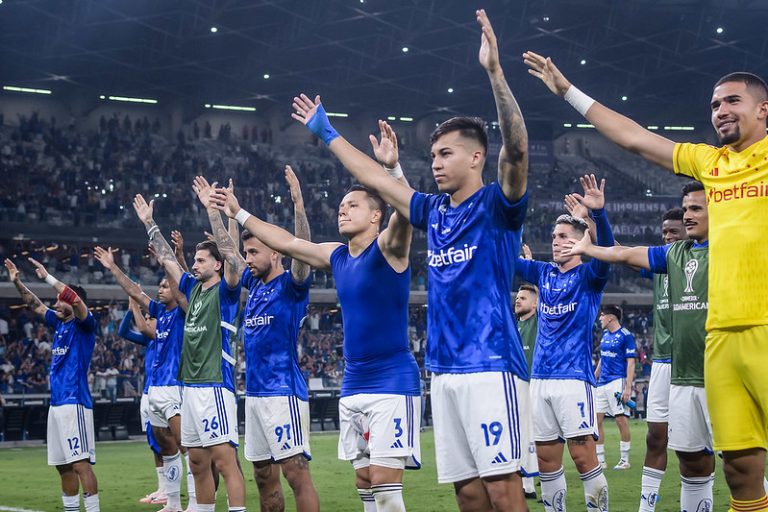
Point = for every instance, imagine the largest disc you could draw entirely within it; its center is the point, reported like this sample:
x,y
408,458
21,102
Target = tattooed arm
x,y
299,269
29,298
513,158
162,249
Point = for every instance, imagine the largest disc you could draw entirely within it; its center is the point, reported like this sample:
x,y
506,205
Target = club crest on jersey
x,y
666,285
196,310
690,271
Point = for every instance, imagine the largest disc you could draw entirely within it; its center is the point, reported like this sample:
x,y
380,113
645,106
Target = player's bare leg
x,y
267,476
224,457
584,454
697,477
472,496
744,472
363,484
506,492
296,472
387,488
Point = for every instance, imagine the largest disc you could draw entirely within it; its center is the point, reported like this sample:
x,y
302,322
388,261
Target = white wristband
x,y
51,280
242,216
151,231
396,172
578,100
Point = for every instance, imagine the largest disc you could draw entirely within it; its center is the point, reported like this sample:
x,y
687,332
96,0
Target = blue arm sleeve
x,y
127,331
605,238
657,258
419,209
528,270
646,274
630,349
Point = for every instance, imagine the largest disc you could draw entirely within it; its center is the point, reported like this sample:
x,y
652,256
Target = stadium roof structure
x,y
388,57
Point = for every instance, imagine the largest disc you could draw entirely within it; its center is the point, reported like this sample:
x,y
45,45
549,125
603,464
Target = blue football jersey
x,y
73,344
471,252
273,315
169,333
615,349
374,305
128,330
568,304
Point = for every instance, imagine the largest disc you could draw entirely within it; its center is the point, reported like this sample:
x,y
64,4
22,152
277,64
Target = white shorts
x,y
144,411
164,404
657,406
605,399
208,417
276,427
482,425
689,427
70,434
380,426
562,409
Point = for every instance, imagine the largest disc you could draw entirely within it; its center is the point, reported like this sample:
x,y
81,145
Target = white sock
x,y
71,503
160,480
190,484
695,492
528,485
649,495
600,453
236,509
172,472
553,489
765,484
91,502
595,489
389,497
206,508
624,447
369,502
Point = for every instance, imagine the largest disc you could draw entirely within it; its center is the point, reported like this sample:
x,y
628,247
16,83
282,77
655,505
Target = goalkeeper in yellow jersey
x,y
735,177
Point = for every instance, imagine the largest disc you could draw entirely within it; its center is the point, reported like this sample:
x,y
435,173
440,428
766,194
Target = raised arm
x,y
146,327
172,283
280,240
234,264
107,259
574,207
636,256
361,166
513,158
594,199
158,242
126,328
299,269
178,249
619,129
66,294
29,298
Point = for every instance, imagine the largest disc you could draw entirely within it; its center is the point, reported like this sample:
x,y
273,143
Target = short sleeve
x,y
646,274
657,258
186,284
630,350
156,309
529,270
87,324
229,295
246,280
299,290
510,215
691,159
421,205
51,319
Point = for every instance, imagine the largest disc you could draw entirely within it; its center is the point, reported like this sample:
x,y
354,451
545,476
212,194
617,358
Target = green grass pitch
x,y
125,473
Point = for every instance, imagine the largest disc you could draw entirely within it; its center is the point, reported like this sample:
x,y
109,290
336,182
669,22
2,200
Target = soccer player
x,y
276,405
473,236
380,396
562,379
686,263
526,302
206,366
164,390
615,373
70,439
657,405
734,178
129,330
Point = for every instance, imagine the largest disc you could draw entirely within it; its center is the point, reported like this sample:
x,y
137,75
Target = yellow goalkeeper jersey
x,y
737,199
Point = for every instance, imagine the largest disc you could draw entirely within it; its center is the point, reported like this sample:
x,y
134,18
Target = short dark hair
x,y
469,127
246,235
529,288
612,309
213,249
376,201
80,291
751,80
693,186
580,225
673,214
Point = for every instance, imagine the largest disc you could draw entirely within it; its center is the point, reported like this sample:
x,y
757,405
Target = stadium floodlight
x,y
450,90
582,125
266,76
652,127
391,118
230,107
624,98
567,125
405,49
583,62
407,119
127,99
719,30
214,29
336,114
679,128
14,88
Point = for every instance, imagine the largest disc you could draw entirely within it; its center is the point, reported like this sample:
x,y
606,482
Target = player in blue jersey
x,y
276,406
562,378
206,367
380,396
133,332
70,439
473,235
163,390
615,373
